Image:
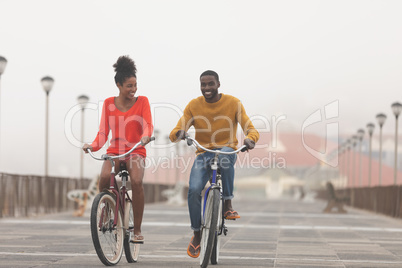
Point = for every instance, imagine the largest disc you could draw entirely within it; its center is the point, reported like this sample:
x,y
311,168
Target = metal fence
x,y
24,195
380,199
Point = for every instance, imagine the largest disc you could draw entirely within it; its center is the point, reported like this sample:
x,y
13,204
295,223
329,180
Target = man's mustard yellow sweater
x,y
216,123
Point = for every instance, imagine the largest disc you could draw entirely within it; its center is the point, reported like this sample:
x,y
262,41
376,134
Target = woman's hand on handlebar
x,y
86,147
145,140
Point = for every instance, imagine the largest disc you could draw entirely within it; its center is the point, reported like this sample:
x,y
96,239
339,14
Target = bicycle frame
x,y
214,168
119,193
122,192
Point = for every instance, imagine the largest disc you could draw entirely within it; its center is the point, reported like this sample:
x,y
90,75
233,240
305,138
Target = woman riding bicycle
x,y
129,119
215,117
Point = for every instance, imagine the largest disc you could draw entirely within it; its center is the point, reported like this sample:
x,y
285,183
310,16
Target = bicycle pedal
x,y
225,231
136,242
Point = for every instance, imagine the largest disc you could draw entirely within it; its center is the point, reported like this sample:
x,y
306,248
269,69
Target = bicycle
x,y
213,221
112,219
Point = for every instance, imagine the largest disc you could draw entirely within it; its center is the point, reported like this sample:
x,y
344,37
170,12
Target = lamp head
x,y
360,134
47,84
83,100
370,128
3,63
355,138
396,108
381,119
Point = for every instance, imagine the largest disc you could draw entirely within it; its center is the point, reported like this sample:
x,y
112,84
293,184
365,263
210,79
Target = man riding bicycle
x,y
215,117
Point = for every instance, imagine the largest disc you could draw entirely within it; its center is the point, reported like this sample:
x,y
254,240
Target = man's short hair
x,y
210,72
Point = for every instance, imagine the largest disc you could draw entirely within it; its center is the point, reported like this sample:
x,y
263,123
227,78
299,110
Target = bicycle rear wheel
x,y
217,241
209,227
107,239
131,250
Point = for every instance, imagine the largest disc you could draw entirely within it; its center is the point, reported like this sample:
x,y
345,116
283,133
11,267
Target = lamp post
x,y
156,155
348,144
396,109
176,161
156,151
370,129
354,142
381,120
156,172
47,84
82,101
3,63
339,168
183,155
360,134
167,172
345,151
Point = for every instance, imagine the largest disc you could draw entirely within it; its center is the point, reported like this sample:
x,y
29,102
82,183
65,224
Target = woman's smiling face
x,y
129,88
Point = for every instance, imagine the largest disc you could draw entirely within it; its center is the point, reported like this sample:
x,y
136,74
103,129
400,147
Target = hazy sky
x,y
287,58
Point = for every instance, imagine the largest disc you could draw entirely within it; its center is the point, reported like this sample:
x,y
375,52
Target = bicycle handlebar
x,y
111,157
190,141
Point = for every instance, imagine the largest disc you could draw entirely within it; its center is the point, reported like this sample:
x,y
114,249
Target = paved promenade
x,y
271,233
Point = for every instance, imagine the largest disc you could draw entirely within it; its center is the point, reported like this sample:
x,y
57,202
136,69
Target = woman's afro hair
x,y
124,68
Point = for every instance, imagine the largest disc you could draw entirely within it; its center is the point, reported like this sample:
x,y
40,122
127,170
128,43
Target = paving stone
x,y
271,233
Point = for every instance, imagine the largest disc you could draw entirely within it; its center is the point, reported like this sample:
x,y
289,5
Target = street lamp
x,y
167,178
82,101
354,142
3,63
176,161
396,109
47,84
157,172
381,120
156,155
370,129
339,167
344,152
348,145
360,134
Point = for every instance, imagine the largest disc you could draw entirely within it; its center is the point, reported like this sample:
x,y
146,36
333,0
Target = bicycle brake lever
x,y
189,142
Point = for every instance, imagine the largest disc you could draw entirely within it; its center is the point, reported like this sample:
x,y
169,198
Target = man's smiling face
x,y
209,88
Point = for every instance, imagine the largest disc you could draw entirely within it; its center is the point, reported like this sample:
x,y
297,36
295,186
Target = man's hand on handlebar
x,y
181,135
249,144
86,147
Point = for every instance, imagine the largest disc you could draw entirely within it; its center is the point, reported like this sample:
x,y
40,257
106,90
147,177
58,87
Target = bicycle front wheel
x,y
131,250
107,238
209,227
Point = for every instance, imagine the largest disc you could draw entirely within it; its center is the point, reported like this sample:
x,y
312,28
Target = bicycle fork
x,y
216,182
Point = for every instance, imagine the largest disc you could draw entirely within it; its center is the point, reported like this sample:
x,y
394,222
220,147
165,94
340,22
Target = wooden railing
x,y
24,195
386,200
